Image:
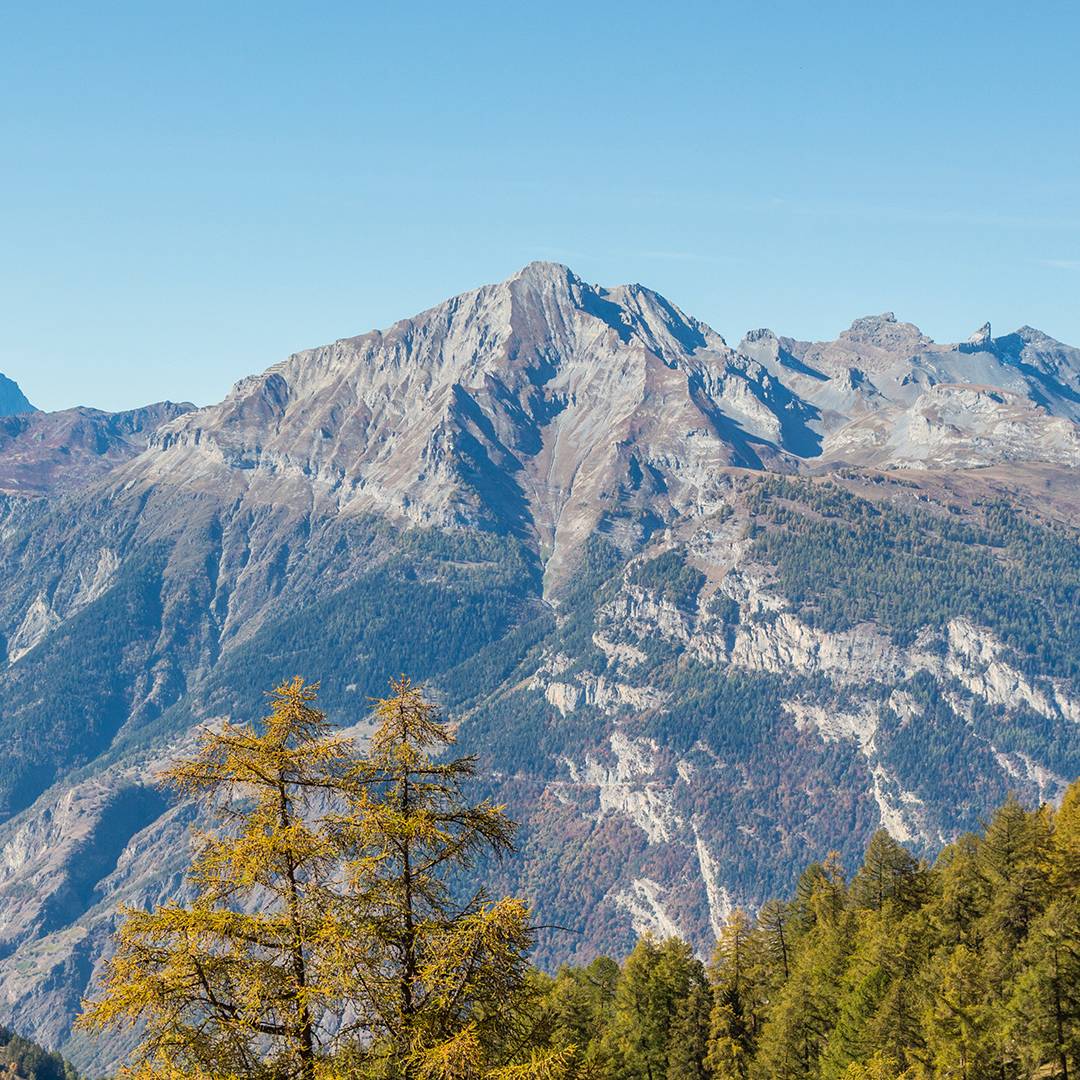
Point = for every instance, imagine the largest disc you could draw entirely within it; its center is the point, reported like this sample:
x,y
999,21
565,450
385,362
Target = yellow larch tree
x,y
440,987
237,983
327,938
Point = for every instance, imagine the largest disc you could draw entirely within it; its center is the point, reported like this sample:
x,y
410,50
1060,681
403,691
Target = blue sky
x,y
189,192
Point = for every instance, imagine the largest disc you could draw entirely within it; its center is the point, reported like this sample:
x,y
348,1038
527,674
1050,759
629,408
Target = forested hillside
x,y
829,653
21,1059
966,969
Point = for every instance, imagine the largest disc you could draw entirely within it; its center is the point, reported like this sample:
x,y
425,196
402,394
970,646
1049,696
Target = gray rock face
x,y
521,406
12,399
959,426
880,375
563,506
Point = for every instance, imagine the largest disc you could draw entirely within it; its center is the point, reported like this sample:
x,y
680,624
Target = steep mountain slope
x,y
695,622
771,683
12,399
522,407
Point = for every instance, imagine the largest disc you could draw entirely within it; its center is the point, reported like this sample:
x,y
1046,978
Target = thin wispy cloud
x,y
853,211
1060,264
682,256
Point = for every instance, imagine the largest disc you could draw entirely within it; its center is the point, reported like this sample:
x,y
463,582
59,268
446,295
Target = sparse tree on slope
x,y
774,922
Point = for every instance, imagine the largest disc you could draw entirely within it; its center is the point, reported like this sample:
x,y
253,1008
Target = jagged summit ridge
x,y
537,404
525,406
885,331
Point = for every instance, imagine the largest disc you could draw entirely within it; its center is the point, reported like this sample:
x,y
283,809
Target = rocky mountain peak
x,y
754,336
534,405
12,399
547,286
543,272
981,336
530,406
886,332
1031,335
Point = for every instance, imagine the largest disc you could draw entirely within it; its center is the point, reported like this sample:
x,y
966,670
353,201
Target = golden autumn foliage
x,y
326,937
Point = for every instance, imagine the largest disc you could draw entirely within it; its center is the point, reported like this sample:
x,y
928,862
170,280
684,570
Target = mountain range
x,y
704,613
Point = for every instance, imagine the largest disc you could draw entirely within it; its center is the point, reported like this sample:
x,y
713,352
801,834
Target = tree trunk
x,y
408,951
305,1027
1059,1019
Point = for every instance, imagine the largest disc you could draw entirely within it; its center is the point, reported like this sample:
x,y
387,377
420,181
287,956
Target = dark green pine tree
x,y
889,873
1044,1010
803,1014
774,922
688,1045
578,1006
735,1019
1015,857
656,979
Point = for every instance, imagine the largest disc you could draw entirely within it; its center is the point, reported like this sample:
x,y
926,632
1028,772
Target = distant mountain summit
x,y
526,407
547,407
12,399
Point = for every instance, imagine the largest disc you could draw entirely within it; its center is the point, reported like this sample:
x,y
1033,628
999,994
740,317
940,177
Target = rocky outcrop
x,y
861,696
960,427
